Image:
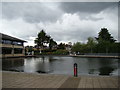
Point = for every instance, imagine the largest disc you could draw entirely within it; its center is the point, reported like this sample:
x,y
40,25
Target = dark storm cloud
x,y
31,12
86,7
35,12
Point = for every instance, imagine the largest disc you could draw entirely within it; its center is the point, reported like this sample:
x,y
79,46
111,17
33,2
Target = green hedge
x,y
52,52
61,52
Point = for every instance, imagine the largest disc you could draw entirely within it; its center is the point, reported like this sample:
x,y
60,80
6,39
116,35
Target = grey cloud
x,y
89,7
93,18
75,35
88,17
35,12
0,10
30,11
70,27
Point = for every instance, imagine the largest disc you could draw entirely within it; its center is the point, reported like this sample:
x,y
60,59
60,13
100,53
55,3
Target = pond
x,y
62,65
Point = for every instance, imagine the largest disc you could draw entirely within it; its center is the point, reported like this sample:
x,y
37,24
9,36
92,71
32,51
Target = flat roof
x,y
7,37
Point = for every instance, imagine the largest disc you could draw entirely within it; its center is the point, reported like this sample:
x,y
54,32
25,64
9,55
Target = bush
x,y
61,52
52,52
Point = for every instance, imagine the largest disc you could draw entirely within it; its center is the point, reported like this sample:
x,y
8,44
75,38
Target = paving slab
x,y
36,81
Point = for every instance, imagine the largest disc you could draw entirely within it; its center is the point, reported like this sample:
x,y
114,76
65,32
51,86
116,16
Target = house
x,y
11,46
68,46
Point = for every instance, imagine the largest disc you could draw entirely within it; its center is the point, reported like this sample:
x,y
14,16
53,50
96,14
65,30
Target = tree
x,y
29,49
52,43
41,39
104,35
79,48
76,47
104,40
91,44
61,46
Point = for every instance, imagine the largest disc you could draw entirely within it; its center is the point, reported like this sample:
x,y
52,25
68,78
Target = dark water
x,y
62,65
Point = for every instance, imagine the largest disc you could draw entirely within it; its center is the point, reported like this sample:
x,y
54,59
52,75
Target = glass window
x,y
18,50
6,42
6,50
17,43
20,43
0,40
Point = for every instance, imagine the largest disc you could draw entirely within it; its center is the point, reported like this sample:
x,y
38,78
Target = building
x,y
68,46
11,46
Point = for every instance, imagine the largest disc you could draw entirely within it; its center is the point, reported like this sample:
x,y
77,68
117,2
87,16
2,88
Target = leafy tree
x,y
52,43
91,44
61,46
115,47
104,35
41,39
103,47
79,48
104,41
29,48
44,39
76,47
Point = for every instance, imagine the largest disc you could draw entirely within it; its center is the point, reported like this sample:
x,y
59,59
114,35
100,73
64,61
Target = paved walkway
x,y
25,80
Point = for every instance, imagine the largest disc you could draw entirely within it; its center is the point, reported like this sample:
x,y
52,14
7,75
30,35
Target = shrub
x,y
61,52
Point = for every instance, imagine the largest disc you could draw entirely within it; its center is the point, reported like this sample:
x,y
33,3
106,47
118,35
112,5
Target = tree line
x,y
45,44
104,43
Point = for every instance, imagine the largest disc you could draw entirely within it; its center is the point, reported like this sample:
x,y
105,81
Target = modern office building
x,y
11,46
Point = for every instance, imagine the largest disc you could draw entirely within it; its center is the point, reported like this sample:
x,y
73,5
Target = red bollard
x,y
75,70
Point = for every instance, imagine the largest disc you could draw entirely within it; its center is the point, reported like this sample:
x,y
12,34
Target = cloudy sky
x,y
63,21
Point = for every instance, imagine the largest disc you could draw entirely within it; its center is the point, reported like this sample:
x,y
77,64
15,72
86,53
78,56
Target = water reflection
x,y
40,65
13,65
62,65
107,66
106,70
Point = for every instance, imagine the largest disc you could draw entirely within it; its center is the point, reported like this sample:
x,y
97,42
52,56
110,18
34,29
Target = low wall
x,y
11,55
